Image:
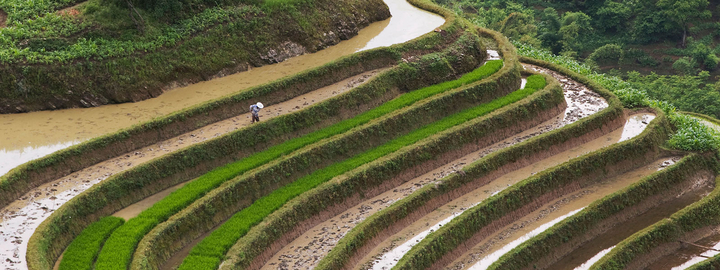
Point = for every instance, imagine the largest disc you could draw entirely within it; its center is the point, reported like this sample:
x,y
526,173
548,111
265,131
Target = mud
x,y
25,133
3,18
689,255
619,232
470,199
134,209
522,230
307,250
19,219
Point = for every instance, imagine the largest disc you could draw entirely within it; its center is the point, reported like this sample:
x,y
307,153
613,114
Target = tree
x,y
575,31
682,13
520,27
612,15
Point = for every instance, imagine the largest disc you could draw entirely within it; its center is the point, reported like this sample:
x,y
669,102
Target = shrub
x,y
711,61
685,66
692,135
607,54
633,98
686,128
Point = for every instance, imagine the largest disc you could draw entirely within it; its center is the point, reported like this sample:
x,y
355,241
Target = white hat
x,y
259,105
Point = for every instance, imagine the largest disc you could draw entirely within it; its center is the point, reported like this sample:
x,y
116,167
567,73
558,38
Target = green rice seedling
x,y
118,250
220,241
84,249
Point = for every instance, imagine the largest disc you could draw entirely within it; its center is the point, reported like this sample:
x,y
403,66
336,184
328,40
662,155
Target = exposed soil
x,y
3,18
19,219
32,135
307,250
689,255
389,252
621,231
511,236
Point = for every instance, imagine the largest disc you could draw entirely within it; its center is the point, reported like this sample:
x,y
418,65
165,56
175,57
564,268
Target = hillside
x,y
461,147
62,54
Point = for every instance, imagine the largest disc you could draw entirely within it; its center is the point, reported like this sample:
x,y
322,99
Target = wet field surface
x,y
307,250
31,135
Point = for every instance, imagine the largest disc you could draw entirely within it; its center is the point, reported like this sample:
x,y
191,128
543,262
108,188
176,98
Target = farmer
x,y
254,109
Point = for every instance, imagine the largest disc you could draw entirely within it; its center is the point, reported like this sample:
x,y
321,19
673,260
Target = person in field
x,y
254,110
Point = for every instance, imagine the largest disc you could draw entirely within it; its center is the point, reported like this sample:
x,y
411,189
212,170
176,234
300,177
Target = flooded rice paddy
x,y
32,135
307,250
390,250
534,223
581,257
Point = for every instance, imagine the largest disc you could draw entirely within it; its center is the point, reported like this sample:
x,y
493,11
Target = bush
x,y
692,135
607,54
633,98
685,66
711,62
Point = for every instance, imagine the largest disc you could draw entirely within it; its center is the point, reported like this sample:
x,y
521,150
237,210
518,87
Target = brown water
x,y
690,255
19,219
32,135
307,250
511,236
390,251
575,259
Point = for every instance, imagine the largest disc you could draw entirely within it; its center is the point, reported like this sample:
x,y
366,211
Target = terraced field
x,y
446,152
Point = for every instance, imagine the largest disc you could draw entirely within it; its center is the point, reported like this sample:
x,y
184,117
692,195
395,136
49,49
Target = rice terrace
x,y
359,134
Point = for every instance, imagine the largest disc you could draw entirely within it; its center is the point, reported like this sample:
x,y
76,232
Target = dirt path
x,y
511,236
307,250
19,220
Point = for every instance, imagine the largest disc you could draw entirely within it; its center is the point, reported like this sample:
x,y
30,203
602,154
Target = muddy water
x,y
690,255
19,219
533,224
488,260
625,229
307,250
388,251
31,135
586,265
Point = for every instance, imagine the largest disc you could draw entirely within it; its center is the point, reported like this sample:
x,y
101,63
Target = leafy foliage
x,y
633,95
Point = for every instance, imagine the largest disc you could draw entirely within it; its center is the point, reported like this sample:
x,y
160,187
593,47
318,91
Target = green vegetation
x,y
108,51
691,135
81,253
533,192
118,250
40,35
536,251
218,243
